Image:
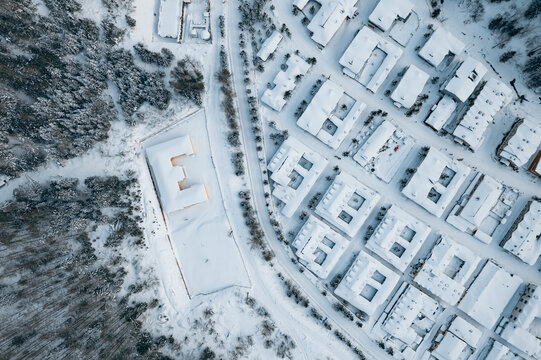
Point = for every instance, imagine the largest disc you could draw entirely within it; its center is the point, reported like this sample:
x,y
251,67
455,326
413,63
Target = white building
x,y
489,294
370,58
347,203
521,143
171,178
447,270
398,238
522,329
410,87
441,113
331,114
466,78
384,151
270,45
369,150
407,319
285,82
457,342
367,284
329,18
474,122
387,11
295,168
524,238
436,182
476,205
319,247
499,351
440,45
169,20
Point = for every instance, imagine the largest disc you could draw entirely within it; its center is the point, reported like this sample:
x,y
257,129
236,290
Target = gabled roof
x,y
355,58
329,18
522,142
270,45
466,78
285,81
387,11
410,86
441,112
524,240
440,44
489,294
472,126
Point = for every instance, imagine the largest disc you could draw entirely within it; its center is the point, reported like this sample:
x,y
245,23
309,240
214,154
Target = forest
x,y
69,246
59,297
56,72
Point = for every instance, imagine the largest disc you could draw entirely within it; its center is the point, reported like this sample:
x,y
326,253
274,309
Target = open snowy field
x,y
201,235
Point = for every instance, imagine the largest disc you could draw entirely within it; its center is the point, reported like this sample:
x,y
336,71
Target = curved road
x,y
317,300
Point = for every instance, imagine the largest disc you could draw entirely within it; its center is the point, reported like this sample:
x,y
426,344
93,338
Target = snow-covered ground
x,y
209,242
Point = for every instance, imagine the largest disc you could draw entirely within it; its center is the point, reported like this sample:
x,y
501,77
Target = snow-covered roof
x,y
466,331
475,121
524,237
403,318
489,294
384,150
325,118
365,45
375,142
285,81
387,11
466,78
295,168
270,45
410,86
165,162
522,340
328,19
300,3
367,284
447,270
347,203
398,237
476,203
522,142
499,351
458,341
441,112
436,182
169,20
451,347
319,247
440,44
522,327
